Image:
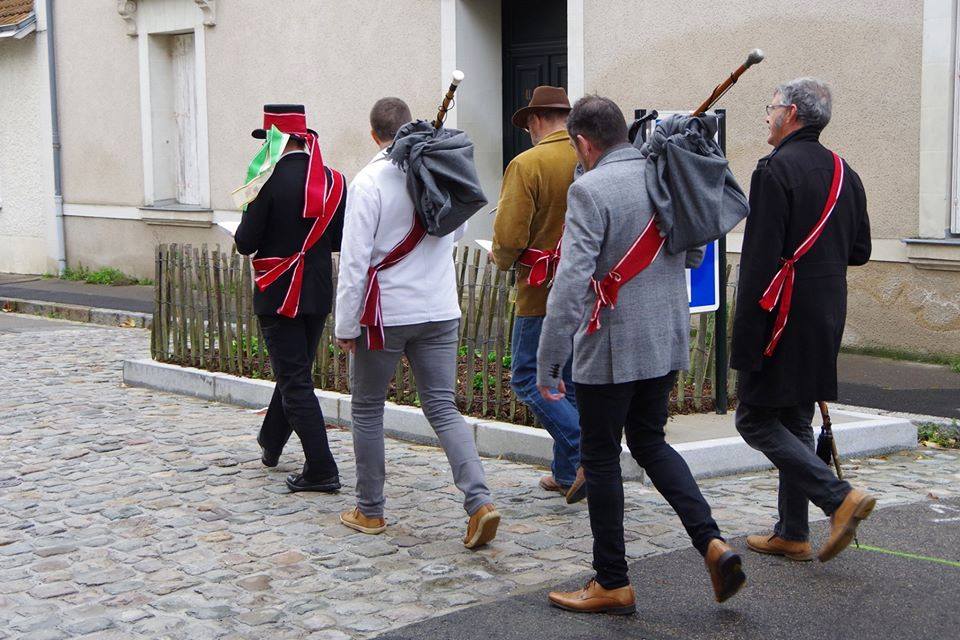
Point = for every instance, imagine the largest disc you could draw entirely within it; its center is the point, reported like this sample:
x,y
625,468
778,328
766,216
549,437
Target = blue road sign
x,y
703,283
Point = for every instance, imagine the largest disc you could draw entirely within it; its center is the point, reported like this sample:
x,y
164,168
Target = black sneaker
x,y
296,482
268,458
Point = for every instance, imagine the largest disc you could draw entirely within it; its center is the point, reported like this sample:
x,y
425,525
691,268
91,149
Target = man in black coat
x,y
808,222
293,232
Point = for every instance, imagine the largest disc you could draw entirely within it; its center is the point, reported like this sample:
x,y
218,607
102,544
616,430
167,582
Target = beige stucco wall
x,y
338,59
26,164
636,54
129,245
99,91
334,60
671,55
900,306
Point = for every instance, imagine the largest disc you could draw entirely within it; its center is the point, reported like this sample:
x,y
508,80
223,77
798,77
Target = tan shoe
x,y
777,546
726,569
578,490
549,483
482,527
843,523
593,598
359,522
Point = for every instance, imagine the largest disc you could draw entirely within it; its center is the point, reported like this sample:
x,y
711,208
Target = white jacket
x,y
421,287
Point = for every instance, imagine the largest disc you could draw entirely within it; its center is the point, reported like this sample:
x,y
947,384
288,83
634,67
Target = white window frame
x,y
955,182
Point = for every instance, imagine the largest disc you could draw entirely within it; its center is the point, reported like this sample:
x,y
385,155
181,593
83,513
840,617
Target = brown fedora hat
x,y
544,97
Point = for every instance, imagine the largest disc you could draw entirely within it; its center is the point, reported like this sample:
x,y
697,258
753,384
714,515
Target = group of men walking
x,y
602,324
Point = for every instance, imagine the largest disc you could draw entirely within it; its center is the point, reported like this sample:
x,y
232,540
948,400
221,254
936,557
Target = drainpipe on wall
x,y
55,122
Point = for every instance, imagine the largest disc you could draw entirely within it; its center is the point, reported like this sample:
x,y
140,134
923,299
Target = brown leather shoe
x,y
593,598
549,483
359,522
482,527
726,569
777,546
578,490
843,523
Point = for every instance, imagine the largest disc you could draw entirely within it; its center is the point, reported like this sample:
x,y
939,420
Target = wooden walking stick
x,y
448,99
753,58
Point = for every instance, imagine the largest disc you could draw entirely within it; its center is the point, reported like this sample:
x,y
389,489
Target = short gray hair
x,y
812,99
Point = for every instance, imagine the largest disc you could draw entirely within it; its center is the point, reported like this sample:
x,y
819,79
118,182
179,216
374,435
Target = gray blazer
x,y
647,334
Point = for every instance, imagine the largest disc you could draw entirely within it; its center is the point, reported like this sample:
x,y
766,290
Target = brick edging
x,y
869,435
77,313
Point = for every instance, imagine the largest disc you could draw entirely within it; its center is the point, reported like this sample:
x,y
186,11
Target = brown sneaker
x,y
359,522
549,483
578,490
593,598
843,523
726,569
482,527
777,546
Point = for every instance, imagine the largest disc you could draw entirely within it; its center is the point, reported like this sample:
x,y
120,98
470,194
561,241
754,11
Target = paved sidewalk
x,y
136,298
125,512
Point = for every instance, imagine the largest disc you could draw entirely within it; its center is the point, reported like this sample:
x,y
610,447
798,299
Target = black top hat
x,y
289,118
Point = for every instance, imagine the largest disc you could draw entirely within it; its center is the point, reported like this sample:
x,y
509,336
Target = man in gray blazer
x,y
624,370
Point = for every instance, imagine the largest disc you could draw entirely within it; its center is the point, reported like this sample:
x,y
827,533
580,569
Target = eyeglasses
x,y
770,107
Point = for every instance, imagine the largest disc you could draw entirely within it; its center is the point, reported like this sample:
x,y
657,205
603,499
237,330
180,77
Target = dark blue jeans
x,y
560,419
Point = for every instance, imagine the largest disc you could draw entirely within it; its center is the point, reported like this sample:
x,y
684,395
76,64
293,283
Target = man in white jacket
x,y
418,315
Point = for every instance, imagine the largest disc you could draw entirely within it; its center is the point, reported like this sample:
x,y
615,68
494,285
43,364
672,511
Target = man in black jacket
x,y
293,230
808,222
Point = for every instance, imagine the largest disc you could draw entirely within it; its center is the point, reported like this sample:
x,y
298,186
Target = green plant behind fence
x,y
203,317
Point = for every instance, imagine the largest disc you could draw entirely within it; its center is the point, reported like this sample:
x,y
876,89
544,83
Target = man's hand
x,y
350,346
549,394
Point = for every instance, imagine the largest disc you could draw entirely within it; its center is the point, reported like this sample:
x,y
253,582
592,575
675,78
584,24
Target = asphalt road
x,y
895,385
861,595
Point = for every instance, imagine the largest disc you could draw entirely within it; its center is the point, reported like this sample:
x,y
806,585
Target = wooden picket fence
x,y
203,317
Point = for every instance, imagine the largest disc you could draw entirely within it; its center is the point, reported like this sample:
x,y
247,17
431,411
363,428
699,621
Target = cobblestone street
x,y
131,513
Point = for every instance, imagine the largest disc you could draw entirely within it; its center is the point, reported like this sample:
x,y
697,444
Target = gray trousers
x,y
785,436
431,348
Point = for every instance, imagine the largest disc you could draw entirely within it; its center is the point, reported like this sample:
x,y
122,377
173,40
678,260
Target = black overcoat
x,y
787,193
273,226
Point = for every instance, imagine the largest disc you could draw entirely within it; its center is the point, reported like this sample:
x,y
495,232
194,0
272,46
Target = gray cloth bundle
x,y
441,175
693,191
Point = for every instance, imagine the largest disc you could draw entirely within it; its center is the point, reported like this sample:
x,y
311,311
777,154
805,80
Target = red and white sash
x,y
542,263
268,270
781,287
372,317
641,255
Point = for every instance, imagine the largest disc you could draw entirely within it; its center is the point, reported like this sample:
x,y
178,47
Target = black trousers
x,y
785,436
640,409
292,344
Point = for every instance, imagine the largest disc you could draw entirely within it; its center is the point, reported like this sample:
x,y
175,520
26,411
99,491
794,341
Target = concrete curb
x,y
869,434
78,313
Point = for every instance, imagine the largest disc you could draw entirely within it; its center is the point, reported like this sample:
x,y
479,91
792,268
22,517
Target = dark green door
x,y
534,54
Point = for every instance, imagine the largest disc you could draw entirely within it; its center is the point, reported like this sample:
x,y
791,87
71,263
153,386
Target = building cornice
x,y
128,11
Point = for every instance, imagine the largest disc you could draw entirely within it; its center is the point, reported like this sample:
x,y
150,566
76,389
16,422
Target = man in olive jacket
x,y
526,234
787,358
